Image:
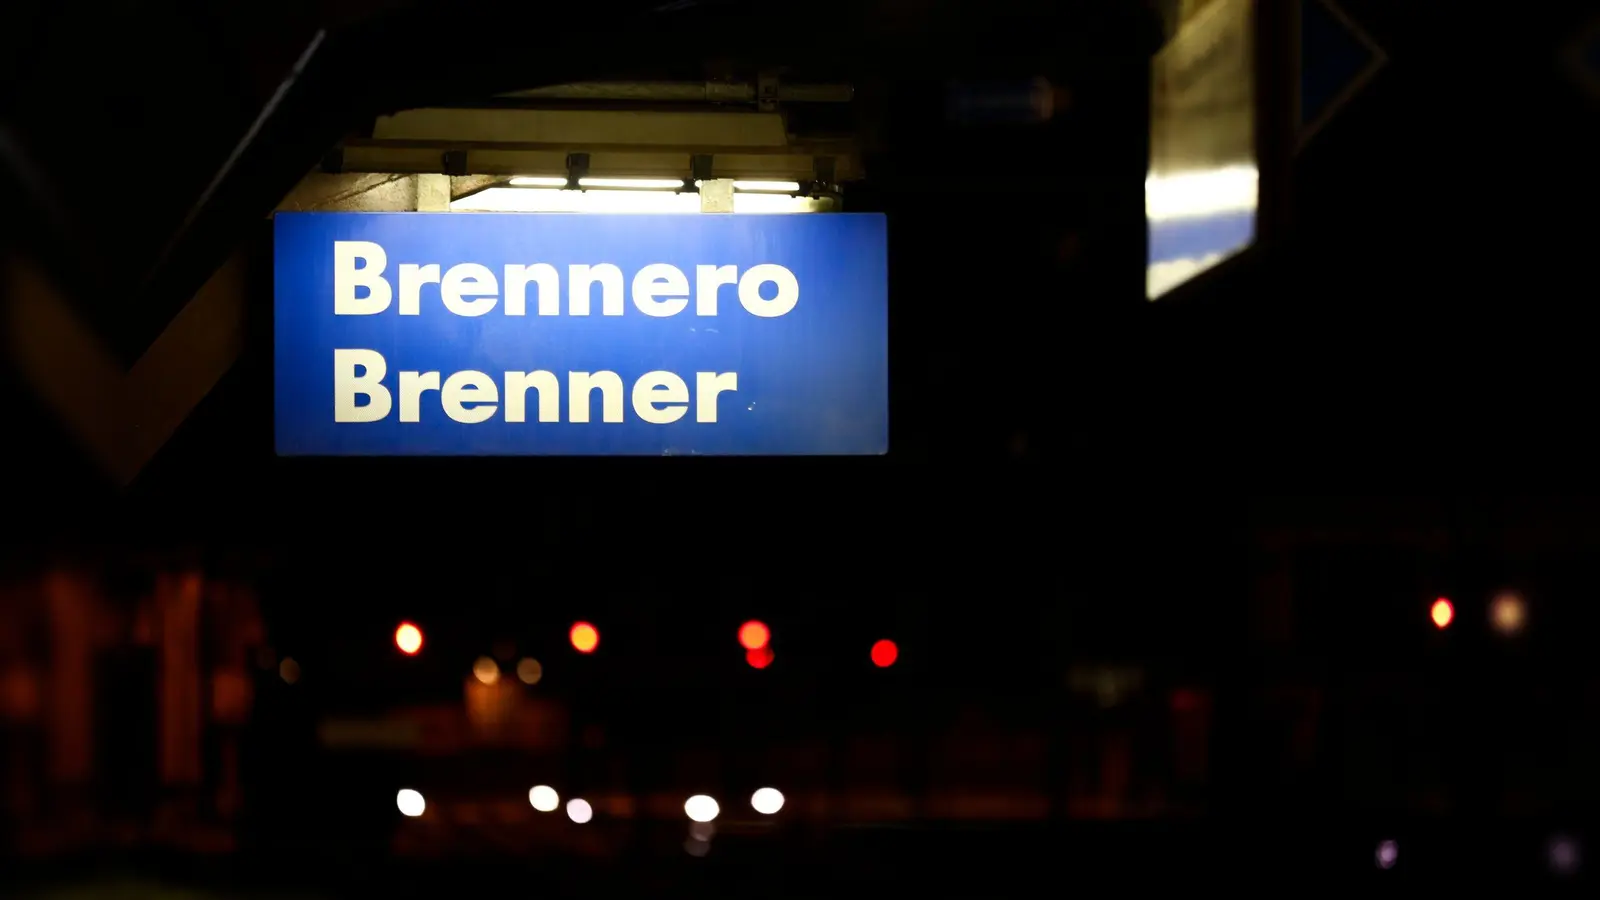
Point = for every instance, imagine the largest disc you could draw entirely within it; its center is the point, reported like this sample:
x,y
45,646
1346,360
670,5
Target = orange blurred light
x,y
1442,613
408,638
760,657
1508,613
884,653
585,637
754,635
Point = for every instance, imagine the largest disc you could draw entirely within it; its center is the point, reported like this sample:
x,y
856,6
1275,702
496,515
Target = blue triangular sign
x,y
1337,59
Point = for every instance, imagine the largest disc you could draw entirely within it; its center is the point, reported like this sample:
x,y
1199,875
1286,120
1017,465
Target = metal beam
x,y
684,92
581,126
371,192
244,144
798,163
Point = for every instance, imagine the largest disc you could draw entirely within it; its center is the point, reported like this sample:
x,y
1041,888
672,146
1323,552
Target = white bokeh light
x,y
410,803
544,798
767,801
579,810
701,808
1565,856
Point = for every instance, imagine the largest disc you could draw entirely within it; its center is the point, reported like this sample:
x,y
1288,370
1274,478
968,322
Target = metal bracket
x,y
455,162
767,93
577,168
823,174
700,167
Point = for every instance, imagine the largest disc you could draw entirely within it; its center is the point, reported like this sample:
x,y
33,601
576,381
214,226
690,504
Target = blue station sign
x,y
465,334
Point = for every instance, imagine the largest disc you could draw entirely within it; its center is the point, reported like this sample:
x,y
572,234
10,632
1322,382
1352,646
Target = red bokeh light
x,y
1443,613
585,637
760,658
884,653
408,638
754,635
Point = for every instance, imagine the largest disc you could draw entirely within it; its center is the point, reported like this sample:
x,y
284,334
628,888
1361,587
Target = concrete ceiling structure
x,y
618,129
144,148
217,110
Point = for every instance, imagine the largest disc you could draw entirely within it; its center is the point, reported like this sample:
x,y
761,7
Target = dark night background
x,y
1250,491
